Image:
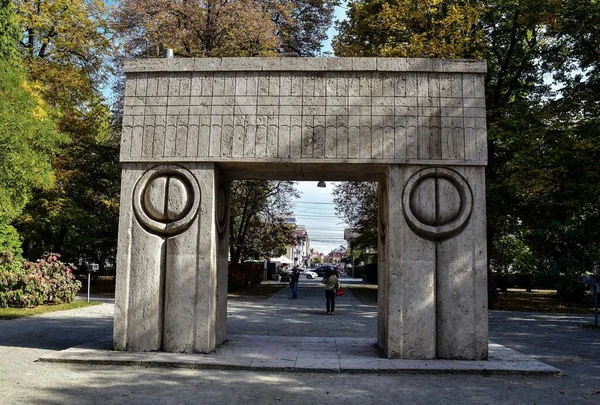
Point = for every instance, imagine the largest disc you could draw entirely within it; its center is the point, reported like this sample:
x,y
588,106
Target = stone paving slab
x,y
297,354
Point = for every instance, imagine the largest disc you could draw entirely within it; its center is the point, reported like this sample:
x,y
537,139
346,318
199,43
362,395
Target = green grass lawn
x,y
12,313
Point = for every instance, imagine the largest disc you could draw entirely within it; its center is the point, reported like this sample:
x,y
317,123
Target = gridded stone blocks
x,y
384,115
417,126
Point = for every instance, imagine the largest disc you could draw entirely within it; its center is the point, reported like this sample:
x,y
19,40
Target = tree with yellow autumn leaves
x,y
411,29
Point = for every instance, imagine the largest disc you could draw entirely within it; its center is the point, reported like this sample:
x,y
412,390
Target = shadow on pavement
x,y
58,330
305,316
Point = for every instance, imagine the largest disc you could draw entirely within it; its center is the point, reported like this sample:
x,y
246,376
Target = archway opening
x,y
320,240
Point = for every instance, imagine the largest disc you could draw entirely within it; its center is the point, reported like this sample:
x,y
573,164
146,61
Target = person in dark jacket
x,y
295,279
332,284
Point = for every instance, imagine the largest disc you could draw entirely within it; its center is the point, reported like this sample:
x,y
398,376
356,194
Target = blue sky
x,y
315,210
340,14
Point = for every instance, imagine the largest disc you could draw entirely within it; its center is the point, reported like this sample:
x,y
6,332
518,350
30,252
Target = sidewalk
x,y
281,315
554,339
288,334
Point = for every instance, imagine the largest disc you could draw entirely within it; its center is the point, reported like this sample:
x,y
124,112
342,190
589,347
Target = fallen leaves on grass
x,y
538,301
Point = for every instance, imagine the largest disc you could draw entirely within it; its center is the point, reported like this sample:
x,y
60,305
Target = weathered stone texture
x,y
415,125
461,291
388,115
166,296
433,275
408,314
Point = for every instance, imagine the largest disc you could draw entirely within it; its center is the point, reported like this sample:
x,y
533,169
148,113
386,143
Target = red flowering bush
x,y
28,284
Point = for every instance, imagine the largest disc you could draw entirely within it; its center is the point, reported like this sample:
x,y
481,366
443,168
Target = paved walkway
x,y
288,334
305,316
557,340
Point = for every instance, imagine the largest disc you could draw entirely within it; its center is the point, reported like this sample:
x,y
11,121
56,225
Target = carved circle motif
x,y
222,205
166,199
437,203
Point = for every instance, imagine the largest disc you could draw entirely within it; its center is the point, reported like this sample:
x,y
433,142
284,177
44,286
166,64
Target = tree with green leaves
x,y
9,31
542,102
408,28
256,226
28,136
28,141
542,175
356,204
80,217
65,47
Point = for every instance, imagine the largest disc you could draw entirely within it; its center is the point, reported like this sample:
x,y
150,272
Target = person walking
x,y
335,267
295,279
332,283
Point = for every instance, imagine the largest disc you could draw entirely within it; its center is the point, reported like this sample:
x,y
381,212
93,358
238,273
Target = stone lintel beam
x,y
275,64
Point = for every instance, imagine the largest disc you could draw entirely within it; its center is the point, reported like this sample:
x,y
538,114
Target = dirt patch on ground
x,y
366,294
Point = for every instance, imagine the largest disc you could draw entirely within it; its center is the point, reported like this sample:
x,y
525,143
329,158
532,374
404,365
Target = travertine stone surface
x,y
461,292
166,296
139,276
305,64
222,224
191,126
382,269
382,110
409,313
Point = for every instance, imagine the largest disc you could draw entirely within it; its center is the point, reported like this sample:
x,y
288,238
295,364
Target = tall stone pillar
x,y
407,286
167,282
433,274
462,313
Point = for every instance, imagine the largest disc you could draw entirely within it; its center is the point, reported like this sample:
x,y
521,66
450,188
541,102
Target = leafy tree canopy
x,y
256,227
542,90
65,46
224,28
9,31
408,28
356,203
28,141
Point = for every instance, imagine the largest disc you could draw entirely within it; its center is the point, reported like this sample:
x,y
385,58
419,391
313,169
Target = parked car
x,y
322,270
310,274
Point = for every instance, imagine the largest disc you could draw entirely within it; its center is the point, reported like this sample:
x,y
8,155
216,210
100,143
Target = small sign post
x,y
594,284
92,268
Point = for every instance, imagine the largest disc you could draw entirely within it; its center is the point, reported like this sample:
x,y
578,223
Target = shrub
x,y
569,289
244,275
28,284
368,272
10,240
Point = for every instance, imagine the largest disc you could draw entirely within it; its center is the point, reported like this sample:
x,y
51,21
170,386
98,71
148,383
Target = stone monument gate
x,y
416,126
